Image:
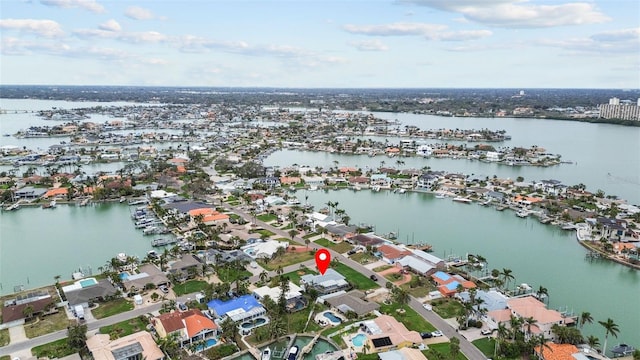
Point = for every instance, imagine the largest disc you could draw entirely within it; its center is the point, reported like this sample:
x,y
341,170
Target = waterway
x,y
36,244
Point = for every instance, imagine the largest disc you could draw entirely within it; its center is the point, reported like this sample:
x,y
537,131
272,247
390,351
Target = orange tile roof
x,y
202,211
56,192
531,307
391,252
181,169
215,217
196,323
553,351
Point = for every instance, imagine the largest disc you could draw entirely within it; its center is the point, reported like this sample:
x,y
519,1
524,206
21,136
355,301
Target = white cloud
x,y
89,5
618,35
369,45
139,13
129,37
428,31
154,61
47,28
110,25
395,29
519,13
580,46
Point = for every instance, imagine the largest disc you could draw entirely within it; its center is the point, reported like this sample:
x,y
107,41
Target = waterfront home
x,y
385,332
289,180
404,353
139,345
313,181
329,282
353,300
147,274
40,303
240,309
365,240
187,267
391,253
189,326
610,228
86,291
550,187
427,181
340,232
219,257
448,284
381,180
261,249
209,216
268,181
529,306
29,192
491,299
359,180
56,193
293,297
553,351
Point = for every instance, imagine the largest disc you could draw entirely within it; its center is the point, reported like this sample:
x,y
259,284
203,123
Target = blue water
x,y
88,282
209,343
124,276
334,319
254,323
359,340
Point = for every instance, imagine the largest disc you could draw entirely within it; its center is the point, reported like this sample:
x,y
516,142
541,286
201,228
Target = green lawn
x,y
443,348
382,268
393,277
111,308
418,291
52,350
191,286
4,337
447,308
230,275
363,258
5,357
125,328
264,232
48,324
294,276
267,217
410,318
310,235
487,346
342,247
358,280
287,259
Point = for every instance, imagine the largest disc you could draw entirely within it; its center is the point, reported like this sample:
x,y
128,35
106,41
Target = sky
x,y
322,44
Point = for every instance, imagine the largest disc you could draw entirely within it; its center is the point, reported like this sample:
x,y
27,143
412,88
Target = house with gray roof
x,y
101,291
147,274
352,301
181,268
331,282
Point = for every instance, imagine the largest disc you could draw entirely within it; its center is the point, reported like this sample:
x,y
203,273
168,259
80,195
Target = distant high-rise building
x,y
625,111
521,92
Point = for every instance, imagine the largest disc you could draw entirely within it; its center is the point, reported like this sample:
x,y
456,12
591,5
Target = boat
x,y
375,188
440,196
402,191
266,354
622,350
293,353
163,241
568,226
137,201
84,202
123,199
461,199
522,213
500,207
50,205
15,206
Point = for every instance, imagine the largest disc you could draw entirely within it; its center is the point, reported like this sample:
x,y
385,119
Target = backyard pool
x,y
88,282
359,339
124,276
332,317
253,323
209,343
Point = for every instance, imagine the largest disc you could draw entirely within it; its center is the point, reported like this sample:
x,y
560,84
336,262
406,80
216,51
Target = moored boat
x,y
266,354
461,199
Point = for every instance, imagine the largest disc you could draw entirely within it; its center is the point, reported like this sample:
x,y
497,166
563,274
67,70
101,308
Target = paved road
x,y
468,349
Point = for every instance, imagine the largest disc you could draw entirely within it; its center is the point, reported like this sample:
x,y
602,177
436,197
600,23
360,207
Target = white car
x,y
486,332
437,333
427,307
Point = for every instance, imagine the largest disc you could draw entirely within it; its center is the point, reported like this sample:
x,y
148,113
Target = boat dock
x,y
307,348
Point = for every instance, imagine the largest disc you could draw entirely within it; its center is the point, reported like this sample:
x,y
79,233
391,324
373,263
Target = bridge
x,y
16,111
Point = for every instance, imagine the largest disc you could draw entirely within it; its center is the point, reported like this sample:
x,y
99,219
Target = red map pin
x,y
323,259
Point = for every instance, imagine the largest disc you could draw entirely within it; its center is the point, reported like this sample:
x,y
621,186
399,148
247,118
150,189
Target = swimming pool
x,y
88,282
209,343
253,323
124,276
359,339
334,319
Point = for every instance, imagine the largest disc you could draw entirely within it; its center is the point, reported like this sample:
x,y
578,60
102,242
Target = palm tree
x,y
263,276
400,295
593,341
77,336
528,322
515,323
543,291
585,317
610,328
542,342
27,311
501,334
507,276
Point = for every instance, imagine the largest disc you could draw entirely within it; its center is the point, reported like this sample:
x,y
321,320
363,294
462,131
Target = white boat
x,y
402,191
293,353
461,199
375,188
50,205
440,196
266,354
523,213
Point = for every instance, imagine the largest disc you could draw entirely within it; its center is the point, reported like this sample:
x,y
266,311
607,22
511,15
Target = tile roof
x,y
553,351
196,323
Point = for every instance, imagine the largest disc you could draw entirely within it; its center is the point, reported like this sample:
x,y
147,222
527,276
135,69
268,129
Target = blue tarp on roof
x,y
246,302
442,276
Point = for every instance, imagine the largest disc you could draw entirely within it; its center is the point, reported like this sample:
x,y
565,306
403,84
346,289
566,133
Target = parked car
x,y
486,331
182,307
427,307
373,277
437,333
164,289
426,335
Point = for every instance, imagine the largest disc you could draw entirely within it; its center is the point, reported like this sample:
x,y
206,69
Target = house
x,y
210,216
365,240
340,231
404,353
41,303
553,351
147,274
448,285
427,181
381,180
353,300
330,282
491,299
29,192
268,181
187,266
416,265
289,180
392,253
385,332
85,291
189,326
264,249
293,296
530,307
239,309
136,346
